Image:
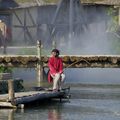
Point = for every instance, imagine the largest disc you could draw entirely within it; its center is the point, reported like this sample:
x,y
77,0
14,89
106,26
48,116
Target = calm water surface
x,y
86,103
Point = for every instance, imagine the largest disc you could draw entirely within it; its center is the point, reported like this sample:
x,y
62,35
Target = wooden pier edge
x,y
7,105
22,98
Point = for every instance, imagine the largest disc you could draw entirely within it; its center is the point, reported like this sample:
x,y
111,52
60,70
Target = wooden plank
x,y
11,93
35,97
4,97
26,97
7,104
31,18
24,28
29,26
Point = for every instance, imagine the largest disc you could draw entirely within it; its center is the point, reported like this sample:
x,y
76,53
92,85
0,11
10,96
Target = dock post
x,y
53,45
40,64
11,93
119,15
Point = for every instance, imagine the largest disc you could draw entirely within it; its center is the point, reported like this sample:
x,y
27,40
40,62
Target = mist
x,y
85,33
81,30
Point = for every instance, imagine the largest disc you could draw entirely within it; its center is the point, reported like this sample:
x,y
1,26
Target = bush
x,y
4,69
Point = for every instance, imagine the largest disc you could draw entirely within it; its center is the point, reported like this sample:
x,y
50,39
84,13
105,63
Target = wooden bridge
x,y
76,61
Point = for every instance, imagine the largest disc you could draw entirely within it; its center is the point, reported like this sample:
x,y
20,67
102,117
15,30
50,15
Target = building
x,y
30,20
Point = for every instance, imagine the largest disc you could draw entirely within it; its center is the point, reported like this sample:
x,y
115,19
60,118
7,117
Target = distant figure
x,y
3,35
56,74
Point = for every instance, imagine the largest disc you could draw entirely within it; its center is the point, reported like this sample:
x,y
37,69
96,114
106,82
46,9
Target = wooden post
x,y
119,15
3,28
40,64
53,44
11,93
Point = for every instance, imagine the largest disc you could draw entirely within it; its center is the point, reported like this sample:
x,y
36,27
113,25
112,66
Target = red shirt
x,y
55,65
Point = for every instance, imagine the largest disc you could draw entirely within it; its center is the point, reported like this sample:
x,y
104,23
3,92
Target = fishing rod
x,y
77,62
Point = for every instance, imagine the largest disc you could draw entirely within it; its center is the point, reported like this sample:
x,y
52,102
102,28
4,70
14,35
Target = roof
x,y
35,2
102,2
26,3
105,2
4,4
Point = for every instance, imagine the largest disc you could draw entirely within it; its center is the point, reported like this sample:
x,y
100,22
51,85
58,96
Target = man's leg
x,y
61,81
55,81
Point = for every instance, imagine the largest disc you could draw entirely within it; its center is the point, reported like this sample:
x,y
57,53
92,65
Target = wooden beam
x,y
119,15
40,63
31,18
24,28
29,26
26,31
19,20
7,104
11,94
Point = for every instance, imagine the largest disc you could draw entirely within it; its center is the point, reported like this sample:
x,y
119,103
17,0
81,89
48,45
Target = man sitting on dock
x,y
56,74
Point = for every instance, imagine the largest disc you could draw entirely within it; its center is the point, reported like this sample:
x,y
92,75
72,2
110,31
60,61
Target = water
x,y
94,96
76,109
91,99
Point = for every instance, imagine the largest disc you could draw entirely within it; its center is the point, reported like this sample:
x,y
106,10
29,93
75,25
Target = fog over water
x,y
79,31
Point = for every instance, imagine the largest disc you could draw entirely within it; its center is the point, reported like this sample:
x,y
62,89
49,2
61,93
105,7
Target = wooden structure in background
x,y
26,19
74,61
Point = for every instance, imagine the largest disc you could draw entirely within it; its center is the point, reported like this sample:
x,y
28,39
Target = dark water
x,y
95,95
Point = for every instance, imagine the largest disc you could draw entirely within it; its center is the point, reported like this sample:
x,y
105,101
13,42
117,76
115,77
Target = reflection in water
x,y
54,114
7,114
11,115
77,109
94,84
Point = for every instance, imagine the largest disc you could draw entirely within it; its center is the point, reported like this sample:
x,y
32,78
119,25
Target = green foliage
x,y
4,69
113,30
113,22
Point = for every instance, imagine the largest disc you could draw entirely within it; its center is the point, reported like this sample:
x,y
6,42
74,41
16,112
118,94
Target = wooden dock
x,y
28,97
